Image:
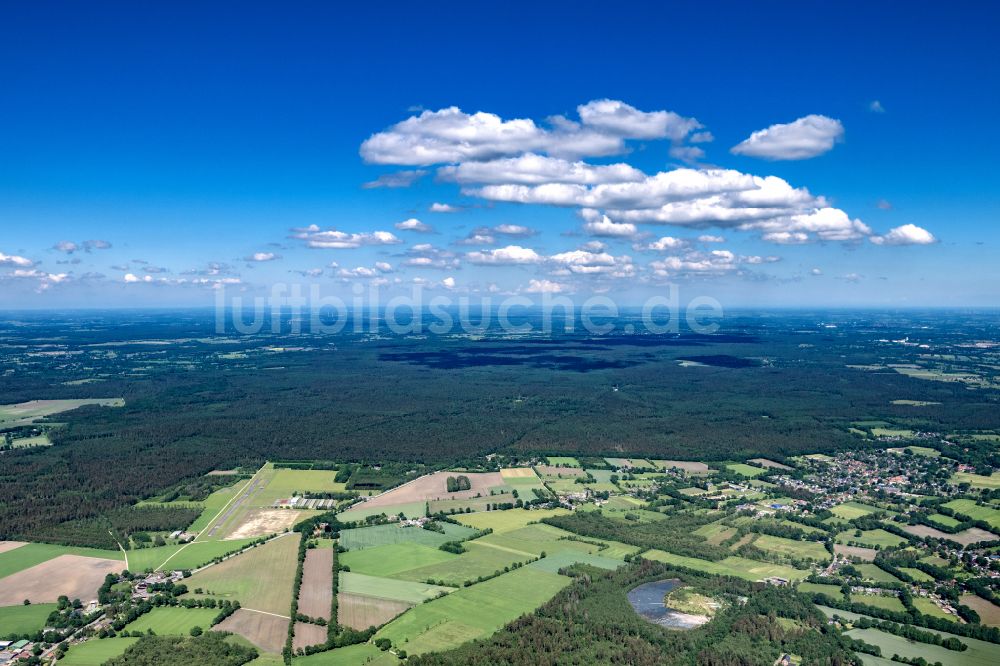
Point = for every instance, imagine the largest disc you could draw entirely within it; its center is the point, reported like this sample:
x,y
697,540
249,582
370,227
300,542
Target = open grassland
x,y
504,521
362,511
969,508
878,601
479,560
388,588
96,651
394,559
770,464
917,451
435,487
23,557
917,574
260,579
472,612
979,653
743,469
928,607
316,591
812,550
21,619
74,576
474,503
566,558
871,538
178,557
173,620
872,572
286,482
563,461
820,588
989,613
550,472
533,540
360,612
991,482
352,655
730,566
943,520
851,510
26,413
267,632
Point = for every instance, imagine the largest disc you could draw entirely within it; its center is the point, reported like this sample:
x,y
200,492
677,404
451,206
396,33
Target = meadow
x,y
991,482
393,533
352,655
393,559
871,538
851,510
878,601
18,620
731,566
479,560
748,471
811,550
970,508
472,612
872,572
388,588
505,521
181,556
979,653
96,652
173,620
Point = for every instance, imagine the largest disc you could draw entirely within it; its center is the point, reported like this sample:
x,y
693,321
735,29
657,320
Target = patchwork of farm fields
x,y
260,579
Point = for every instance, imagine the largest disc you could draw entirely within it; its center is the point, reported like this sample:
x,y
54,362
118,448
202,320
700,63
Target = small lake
x,y
647,600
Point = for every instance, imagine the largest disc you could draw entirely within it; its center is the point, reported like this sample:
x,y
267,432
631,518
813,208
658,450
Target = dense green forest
x,y
196,402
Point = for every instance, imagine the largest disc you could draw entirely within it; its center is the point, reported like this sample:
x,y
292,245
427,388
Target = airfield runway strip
x,y
254,486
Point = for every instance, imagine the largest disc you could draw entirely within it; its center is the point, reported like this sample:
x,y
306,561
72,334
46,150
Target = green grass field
x,y
533,540
96,651
886,603
565,558
472,612
943,520
25,413
872,572
388,588
175,557
478,560
174,620
979,653
820,588
812,550
409,509
928,607
871,538
976,481
260,578
28,555
352,655
748,471
383,535
565,461
969,508
850,510
730,566
17,620
504,521
394,559
917,574
918,451
284,482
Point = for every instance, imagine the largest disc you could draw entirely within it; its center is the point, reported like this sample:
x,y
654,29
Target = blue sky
x,y
200,148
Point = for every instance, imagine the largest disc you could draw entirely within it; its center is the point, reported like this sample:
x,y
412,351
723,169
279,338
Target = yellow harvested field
x,y
435,487
360,612
517,473
75,576
686,465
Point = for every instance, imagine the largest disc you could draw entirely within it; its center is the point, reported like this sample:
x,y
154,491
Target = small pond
x,y
647,600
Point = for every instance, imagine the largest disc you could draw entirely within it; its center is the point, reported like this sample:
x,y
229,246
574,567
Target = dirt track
x,y
73,575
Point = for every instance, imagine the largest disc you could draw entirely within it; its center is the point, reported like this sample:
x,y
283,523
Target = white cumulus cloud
x,y
907,234
801,139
